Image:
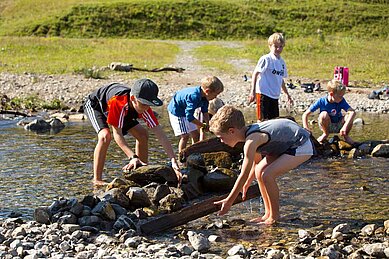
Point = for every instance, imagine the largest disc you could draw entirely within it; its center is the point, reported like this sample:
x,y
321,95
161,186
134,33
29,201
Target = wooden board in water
x,y
192,212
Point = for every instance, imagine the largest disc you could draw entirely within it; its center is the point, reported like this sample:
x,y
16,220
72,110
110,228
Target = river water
x,y
35,169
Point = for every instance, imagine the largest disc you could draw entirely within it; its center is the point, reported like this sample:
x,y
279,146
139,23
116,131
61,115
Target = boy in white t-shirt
x,y
268,80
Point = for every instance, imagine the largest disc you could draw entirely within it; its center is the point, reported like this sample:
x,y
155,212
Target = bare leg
x,y
202,134
275,169
259,169
183,141
142,142
100,154
195,136
324,122
346,137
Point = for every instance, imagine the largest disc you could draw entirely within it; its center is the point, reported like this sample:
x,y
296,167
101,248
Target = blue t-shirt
x,y
333,109
186,101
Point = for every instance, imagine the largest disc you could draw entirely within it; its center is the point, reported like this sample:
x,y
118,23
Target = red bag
x,y
341,74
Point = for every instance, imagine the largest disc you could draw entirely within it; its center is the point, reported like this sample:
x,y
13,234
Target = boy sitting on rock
x,y
331,119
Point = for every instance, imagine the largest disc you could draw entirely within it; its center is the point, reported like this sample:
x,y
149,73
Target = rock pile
x,y
337,147
145,192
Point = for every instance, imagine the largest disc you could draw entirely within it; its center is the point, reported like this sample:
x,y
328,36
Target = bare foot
x,y
268,221
99,182
322,138
259,219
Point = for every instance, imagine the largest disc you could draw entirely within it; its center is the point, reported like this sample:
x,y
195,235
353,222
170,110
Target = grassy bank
x,y
193,19
309,57
63,56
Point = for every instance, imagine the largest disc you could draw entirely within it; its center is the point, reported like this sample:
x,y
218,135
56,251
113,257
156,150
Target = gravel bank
x,y
71,89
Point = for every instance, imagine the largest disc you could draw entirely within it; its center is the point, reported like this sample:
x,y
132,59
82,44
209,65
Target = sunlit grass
x,y
311,57
307,57
60,56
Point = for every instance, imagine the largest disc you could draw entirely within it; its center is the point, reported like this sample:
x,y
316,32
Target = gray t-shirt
x,y
283,134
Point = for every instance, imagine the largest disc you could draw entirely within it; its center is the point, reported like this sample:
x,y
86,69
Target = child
x,y
213,106
271,149
183,105
331,119
119,106
268,80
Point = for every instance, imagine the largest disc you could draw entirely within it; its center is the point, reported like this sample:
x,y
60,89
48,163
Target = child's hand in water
x,y
225,206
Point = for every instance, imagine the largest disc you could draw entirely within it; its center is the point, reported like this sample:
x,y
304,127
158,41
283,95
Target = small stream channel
x,y
35,169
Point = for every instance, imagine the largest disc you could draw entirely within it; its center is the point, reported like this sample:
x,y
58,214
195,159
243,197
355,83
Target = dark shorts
x,y
267,108
99,119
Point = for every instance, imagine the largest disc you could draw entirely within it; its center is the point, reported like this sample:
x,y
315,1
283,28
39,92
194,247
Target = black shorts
x,y
99,119
267,108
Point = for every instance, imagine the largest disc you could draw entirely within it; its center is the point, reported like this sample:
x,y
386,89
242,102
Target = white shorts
x,y
181,125
305,149
199,115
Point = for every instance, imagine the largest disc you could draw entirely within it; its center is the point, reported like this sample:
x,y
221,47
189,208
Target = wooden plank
x,y
195,211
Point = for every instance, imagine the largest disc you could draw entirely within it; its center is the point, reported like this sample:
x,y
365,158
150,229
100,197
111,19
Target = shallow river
x,y
35,169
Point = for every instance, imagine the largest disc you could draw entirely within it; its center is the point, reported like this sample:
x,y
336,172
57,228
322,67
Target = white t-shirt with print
x,y
272,71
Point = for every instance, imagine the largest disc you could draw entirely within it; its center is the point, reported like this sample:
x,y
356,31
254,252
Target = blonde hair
x,y
212,83
276,38
335,86
225,118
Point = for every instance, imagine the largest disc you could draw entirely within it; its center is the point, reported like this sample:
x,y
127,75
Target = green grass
x,y
79,35
193,19
61,56
311,57
307,57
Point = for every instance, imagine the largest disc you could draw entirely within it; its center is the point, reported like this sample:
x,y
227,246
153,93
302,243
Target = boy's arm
x,y
254,78
160,134
348,122
249,150
122,143
285,90
305,119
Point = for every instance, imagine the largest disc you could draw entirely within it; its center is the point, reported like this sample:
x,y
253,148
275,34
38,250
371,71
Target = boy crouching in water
x,y
331,119
271,149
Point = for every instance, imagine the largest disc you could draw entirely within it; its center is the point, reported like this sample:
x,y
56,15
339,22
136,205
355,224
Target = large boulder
x,y
218,159
220,180
152,173
209,146
138,197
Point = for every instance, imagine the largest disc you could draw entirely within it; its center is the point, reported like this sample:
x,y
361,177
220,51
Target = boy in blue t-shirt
x,y
331,119
183,105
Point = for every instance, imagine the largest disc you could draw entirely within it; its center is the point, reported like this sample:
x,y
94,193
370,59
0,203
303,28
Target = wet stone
x,y
116,195
105,210
381,150
368,230
198,241
138,197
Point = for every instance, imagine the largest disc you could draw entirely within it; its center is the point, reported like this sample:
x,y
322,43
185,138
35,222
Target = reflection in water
x,y
36,169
